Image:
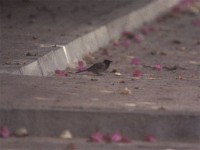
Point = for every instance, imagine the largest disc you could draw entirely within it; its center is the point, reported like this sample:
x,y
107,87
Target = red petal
x,y
97,137
137,73
150,138
136,61
138,38
61,73
126,43
158,67
116,137
5,132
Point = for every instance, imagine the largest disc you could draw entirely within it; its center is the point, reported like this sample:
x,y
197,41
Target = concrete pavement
x,y
32,29
163,102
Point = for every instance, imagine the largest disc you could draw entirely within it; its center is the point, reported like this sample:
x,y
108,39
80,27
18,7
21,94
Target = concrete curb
x,y
165,126
46,143
69,54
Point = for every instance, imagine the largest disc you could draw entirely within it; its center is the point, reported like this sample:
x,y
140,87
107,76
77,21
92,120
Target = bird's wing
x,y
96,66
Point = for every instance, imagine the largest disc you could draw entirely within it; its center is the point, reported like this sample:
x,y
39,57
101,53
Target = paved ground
x,y
30,29
162,102
81,144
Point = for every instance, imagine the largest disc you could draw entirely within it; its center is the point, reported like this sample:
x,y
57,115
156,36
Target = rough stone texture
x,y
82,144
39,35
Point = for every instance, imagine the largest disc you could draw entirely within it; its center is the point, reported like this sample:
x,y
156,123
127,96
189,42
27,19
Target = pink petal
x,y
126,43
107,138
158,67
136,61
97,137
138,38
137,73
125,140
61,73
81,66
182,6
150,138
116,43
116,137
5,132
196,22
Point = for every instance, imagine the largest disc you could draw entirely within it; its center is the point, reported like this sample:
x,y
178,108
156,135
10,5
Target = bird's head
x,y
107,61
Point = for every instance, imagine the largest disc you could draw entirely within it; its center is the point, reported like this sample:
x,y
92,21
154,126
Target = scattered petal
x,y
136,61
125,140
71,146
150,138
180,77
62,73
126,43
147,30
116,42
196,22
116,137
137,73
66,134
126,91
21,132
158,67
5,132
81,66
138,37
97,137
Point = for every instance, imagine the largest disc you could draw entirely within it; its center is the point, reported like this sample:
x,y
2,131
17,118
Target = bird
x,y
98,68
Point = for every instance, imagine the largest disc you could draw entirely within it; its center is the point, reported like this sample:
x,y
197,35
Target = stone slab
x,y
32,143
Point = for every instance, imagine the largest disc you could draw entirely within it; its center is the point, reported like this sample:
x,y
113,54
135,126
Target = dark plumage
x,y
98,68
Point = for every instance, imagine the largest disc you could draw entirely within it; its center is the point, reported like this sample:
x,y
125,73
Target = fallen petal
x,y
61,73
196,22
136,61
5,132
158,67
97,137
137,73
150,138
126,43
81,66
139,38
116,137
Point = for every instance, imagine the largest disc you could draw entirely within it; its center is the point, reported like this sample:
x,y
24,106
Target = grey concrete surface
x,y
164,103
35,27
66,103
82,144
